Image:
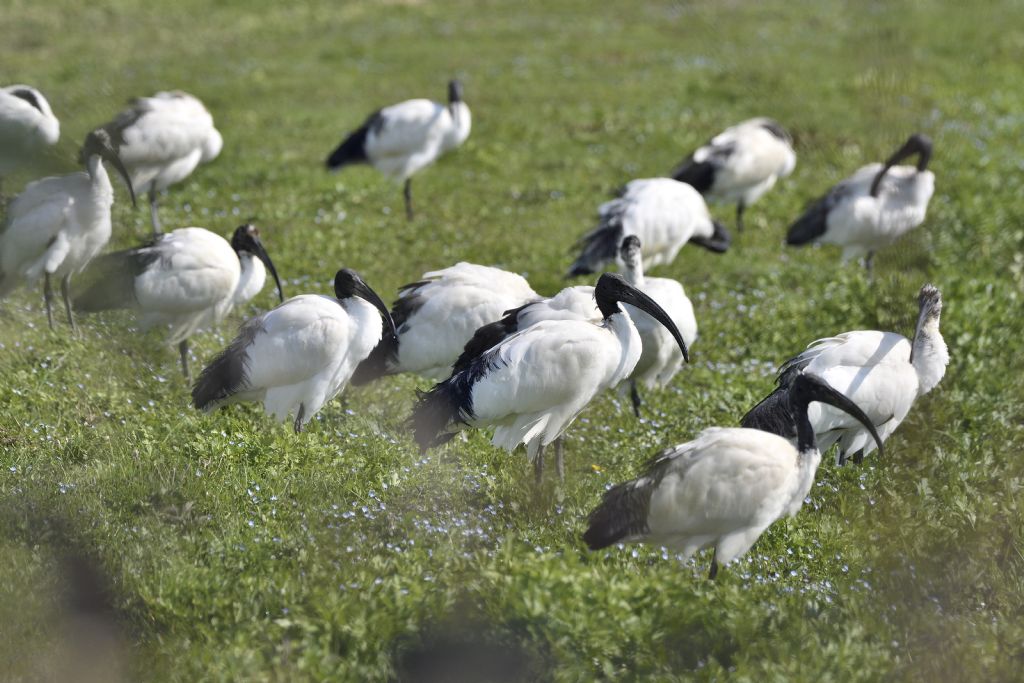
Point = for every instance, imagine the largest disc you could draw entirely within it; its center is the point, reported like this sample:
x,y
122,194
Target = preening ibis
x,y
163,139
58,224
436,316
740,164
404,138
722,489
300,355
531,386
665,214
27,126
872,208
660,358
882,372
186,279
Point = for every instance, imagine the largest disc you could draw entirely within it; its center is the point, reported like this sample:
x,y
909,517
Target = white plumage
x,y
872,208
163,139
58,224
27,126
665,214
531,386
401,140
740,164
882,372
437,315
300,355
723,489
187,280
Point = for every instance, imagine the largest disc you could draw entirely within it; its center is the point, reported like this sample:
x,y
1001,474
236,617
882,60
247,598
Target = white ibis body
x,y
872,208
882,372
723,489
665,214
436,317
401,140
187,279
59,224
162,140
532,385
740,164
27,126
300,355
660,358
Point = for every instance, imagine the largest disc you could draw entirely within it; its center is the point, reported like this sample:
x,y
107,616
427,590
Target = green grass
x,y
236,550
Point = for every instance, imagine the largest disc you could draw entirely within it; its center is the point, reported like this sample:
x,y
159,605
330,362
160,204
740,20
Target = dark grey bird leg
x,y
48,297
740,208
407,193
634,395
157,231
869,264
713,574
298,417
65,287
560,459
538,466
183,352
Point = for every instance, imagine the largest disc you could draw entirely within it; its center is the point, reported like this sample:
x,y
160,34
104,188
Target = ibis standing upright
x,y
436,317
59,224
187,279
740,164
405,138
882,372
724,488
300,355
27,126
665,214
163,139
532,385
872,208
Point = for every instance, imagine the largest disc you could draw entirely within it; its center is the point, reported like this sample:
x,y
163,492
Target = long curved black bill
x,y
612,288
262,255
363,290
110,155
807,388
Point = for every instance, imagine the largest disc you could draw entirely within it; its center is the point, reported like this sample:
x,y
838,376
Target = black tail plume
x,y
110,280
598,247
228,372
376,364
700,175
621,515
352,149
487,337
435,410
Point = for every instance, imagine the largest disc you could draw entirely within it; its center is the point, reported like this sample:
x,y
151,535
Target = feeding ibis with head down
x,y
723,489
740,164
403,139
186,279
882,372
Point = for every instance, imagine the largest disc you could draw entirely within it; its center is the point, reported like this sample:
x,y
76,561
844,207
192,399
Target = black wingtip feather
x,y
698,175
622,514
352,149
228,371
487,337
599,246
110,280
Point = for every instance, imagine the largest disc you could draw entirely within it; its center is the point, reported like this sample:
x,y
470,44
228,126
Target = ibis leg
x,y
634,395
841,460
560,459
183,352
407,193
48,298
740,208
538,466
713,574
298,417
153,217
858,457
869,264
65,289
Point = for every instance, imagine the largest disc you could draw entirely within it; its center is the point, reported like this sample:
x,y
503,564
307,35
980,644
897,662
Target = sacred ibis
x,y
872,208
882,372
186,279
300,355
58,224
27,126
532,385
665,214
437,315
723,489
405,138
740,164
163,139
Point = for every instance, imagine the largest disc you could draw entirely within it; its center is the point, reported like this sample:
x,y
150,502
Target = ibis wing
x,y
406,128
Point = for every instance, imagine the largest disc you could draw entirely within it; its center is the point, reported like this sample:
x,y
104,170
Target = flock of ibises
x,y
504,356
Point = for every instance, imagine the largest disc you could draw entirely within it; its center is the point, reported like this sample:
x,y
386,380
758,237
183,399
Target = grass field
x,y
232,549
